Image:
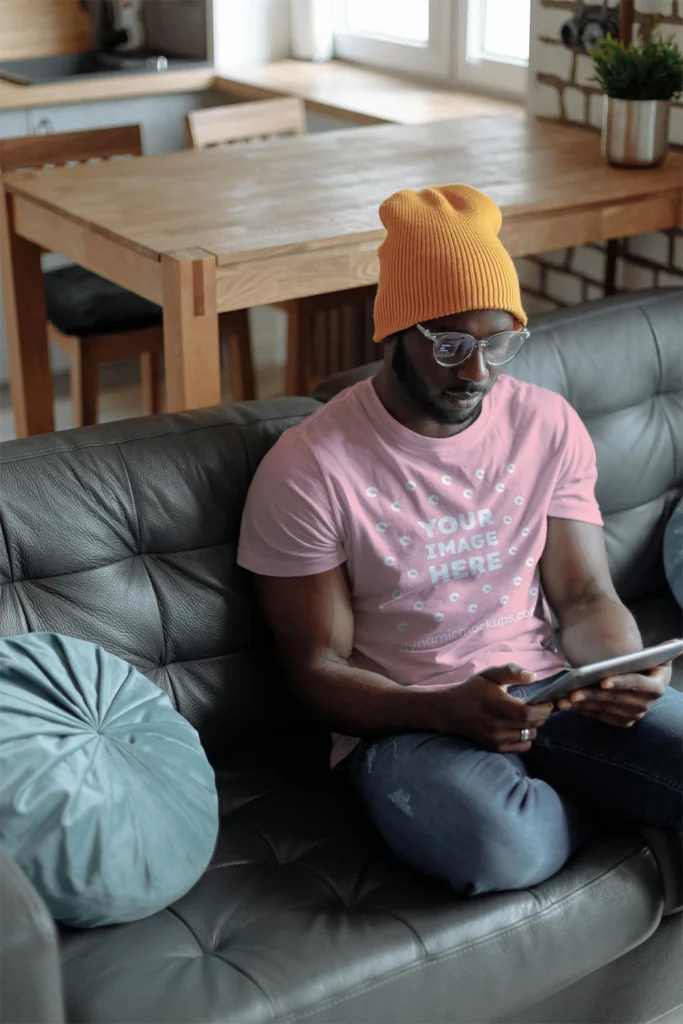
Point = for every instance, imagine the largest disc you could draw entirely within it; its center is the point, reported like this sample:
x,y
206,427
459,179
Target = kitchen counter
x,y
105,87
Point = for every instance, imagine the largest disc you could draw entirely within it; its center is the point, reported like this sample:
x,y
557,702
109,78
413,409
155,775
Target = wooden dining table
x,y
202,232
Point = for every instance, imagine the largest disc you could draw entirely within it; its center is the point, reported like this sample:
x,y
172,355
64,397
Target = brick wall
x,y
560,88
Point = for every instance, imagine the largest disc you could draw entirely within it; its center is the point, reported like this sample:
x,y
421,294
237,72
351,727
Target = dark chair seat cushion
x,y
81,303
304,915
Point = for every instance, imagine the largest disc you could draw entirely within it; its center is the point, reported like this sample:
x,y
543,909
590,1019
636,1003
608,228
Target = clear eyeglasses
x,y
452,349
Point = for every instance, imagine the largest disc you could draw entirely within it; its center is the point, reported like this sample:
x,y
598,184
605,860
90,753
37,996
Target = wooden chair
x,y
90,318
238,123
246,122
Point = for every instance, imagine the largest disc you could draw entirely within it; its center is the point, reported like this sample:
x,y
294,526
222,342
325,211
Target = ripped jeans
x,y
486,822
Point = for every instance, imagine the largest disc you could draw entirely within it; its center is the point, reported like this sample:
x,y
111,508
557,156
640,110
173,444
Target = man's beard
x,y
432,403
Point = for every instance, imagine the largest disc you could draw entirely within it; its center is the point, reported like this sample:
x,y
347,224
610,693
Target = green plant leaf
x,y
649,70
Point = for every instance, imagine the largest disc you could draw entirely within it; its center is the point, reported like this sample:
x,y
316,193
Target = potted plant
x,y
639,82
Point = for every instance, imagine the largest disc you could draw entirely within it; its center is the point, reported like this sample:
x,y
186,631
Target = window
x,y
472,43
406,35
493,44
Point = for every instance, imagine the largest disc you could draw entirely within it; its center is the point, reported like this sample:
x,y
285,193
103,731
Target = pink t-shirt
x,y
441,537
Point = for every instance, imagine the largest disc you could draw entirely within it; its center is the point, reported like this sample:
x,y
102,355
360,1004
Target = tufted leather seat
x,y
126,534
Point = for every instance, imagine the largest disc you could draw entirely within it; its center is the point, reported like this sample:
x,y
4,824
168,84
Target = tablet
x,y
591,675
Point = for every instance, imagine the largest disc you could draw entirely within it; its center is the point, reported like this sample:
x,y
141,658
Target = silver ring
x,y
524,735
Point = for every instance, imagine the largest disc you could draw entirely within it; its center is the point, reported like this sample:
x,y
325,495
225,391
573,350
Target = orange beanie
x,y
442,255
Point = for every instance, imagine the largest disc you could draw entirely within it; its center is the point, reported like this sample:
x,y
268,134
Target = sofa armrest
x,y
31,990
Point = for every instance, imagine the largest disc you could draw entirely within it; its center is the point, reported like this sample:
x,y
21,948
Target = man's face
x,y
448,395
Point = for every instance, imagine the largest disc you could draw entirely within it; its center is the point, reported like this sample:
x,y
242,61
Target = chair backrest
x,y
246,122
29,152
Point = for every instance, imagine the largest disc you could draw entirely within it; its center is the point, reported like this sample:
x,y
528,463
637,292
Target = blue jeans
x,y
486,822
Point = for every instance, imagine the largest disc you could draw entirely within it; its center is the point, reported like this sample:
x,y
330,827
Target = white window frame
x,y
484,74
455,27
431,59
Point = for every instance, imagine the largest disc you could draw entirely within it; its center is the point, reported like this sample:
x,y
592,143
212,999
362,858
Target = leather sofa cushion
x,y
673,552
81,303
125,534
659,618
304,915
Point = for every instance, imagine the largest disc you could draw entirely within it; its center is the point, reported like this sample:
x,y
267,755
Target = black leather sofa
x,y
125,534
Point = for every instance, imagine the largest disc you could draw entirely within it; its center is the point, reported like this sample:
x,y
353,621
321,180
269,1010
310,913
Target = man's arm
x,y
311,618
576,579
595,624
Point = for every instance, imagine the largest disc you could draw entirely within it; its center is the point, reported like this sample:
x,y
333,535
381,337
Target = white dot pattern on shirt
x,y
405,541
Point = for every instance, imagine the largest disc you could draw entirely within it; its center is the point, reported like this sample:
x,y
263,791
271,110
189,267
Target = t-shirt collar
x,y
396,434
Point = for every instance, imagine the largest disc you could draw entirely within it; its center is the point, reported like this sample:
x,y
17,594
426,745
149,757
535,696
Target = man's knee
x,y
514,858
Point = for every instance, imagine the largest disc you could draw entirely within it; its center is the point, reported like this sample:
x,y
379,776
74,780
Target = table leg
x,y
23,291
299,324
191,351
613,248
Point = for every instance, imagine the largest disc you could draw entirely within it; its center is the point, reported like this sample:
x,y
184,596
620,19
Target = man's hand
x,y
481,710
620,700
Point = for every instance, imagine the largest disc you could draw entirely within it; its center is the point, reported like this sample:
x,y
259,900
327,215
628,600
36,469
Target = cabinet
x,y
162,118
13,122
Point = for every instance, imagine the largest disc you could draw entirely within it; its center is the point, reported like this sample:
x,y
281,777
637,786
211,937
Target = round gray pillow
x,y
107,799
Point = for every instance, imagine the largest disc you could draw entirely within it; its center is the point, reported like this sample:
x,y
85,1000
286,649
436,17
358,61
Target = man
x,y
407,540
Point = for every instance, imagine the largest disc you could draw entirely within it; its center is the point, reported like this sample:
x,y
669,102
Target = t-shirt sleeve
x,y
574,494
289,527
